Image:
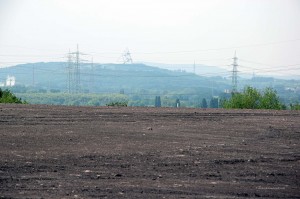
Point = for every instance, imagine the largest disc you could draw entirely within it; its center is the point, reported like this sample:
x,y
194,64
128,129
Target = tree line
x,y
249,98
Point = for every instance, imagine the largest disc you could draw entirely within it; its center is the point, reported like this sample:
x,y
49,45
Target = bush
x,y
7,97
295,106
251,98
117,104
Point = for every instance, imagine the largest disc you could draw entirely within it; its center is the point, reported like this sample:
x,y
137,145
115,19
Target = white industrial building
x,y
10,80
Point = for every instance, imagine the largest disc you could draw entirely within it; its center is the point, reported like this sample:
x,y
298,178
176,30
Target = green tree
x,y
251,98
7,97
157,101
270,100
204,103
214,103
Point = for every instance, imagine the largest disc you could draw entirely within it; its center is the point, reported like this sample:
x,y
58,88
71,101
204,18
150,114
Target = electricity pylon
x,y
74,84
70,69
234,73
127,57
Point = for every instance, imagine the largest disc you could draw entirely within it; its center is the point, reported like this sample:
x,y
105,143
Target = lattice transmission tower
x,y
127,57
70,70
92,77
73,67
234,74
77,71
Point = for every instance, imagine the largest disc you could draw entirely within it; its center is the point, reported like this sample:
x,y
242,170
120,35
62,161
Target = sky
x,y
264,33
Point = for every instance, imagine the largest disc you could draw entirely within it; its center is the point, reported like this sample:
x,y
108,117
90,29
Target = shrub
x,y
295,106
7,97
117,104
251,98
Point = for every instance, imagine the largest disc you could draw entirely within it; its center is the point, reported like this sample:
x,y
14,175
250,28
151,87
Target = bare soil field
x,y
130,152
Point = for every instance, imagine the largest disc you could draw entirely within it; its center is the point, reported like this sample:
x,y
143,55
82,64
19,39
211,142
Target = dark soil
x,y
105,152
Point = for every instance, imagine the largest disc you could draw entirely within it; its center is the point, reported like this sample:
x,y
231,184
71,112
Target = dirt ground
x,y
106,152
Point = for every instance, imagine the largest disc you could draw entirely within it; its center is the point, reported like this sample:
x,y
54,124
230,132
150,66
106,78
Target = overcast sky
x,y
264,33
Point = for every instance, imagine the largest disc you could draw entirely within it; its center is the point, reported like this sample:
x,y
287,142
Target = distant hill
x,y
140,83
108,77
200,69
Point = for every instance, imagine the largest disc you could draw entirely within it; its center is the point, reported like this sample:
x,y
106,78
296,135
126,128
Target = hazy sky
x,y
264,33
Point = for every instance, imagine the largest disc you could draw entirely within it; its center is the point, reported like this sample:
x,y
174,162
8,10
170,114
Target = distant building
x,y
227,91
10,80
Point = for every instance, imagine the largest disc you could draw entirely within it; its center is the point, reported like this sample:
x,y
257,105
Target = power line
x,y
39,56
270,69
208,49
181,51
283,68
279,69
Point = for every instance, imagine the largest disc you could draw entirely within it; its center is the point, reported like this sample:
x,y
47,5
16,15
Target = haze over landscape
x,y
149,99
265,34
177,50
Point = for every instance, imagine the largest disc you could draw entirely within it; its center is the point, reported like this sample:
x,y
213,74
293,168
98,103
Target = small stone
x,y
87,171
